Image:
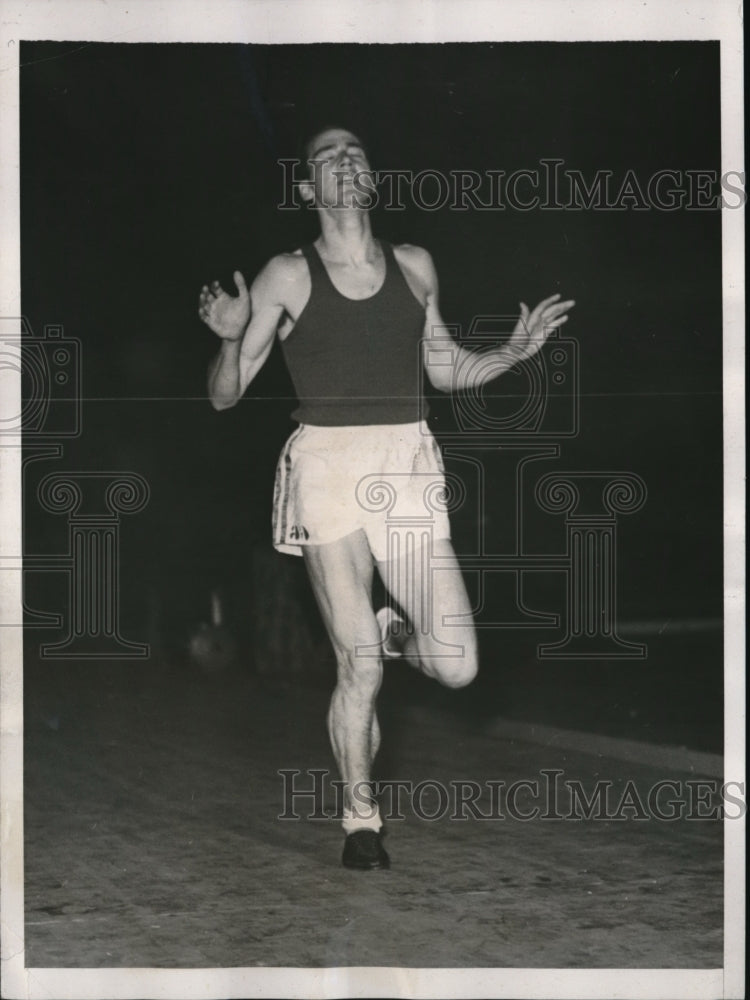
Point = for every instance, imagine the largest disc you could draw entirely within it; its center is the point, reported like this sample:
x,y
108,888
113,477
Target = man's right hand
x,y
227,315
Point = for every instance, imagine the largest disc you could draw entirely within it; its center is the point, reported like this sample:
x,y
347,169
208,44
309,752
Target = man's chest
x,y
357,282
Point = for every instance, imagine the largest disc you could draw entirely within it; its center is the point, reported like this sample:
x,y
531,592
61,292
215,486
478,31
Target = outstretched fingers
x,y
558,313
531,319
545,303
208,297
550,312
204,300
538,324
558,308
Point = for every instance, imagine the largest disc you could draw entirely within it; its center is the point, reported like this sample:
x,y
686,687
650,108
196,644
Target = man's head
x,y
337,163
310,143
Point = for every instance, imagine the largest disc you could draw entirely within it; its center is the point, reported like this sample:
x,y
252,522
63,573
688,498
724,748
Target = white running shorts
x,y
387,479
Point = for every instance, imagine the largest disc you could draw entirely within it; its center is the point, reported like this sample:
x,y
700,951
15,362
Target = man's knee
x,y
357,672
461,673
455,669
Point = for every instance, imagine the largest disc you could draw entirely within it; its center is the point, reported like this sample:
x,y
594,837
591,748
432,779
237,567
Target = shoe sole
x,y
385,617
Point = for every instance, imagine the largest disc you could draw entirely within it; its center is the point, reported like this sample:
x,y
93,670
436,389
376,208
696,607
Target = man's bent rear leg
x,y
428,585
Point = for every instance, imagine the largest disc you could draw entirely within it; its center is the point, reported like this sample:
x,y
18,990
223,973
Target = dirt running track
x,y
152,839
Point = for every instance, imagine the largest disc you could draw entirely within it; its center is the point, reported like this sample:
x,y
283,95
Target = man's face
x,y
336,159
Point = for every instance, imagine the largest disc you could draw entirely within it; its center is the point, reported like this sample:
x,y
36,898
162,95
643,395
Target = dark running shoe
x,y
363,850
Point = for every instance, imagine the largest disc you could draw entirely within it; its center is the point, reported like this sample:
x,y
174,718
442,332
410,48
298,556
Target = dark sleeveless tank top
x,y
357,361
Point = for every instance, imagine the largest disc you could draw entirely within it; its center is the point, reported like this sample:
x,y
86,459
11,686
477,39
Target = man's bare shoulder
x,y
411,254
286,266
417,262
283,275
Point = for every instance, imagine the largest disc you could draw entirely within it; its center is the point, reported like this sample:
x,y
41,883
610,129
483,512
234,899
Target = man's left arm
x,y
451,367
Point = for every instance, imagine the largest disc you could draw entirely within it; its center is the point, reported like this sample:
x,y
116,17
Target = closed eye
x,y
327,150
321,152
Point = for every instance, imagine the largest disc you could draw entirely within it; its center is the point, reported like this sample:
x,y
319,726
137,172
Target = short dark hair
x,y
306,137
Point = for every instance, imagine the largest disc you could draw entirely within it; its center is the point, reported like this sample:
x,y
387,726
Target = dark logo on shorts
x,y
297,532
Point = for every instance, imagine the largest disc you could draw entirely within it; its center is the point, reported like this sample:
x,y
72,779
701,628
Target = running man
x,y
355,317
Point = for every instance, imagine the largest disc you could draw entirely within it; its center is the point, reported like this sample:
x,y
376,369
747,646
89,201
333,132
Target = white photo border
x,y
384,21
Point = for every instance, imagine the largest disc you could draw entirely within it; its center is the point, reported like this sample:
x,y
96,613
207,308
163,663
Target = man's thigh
x,y
341,576
428,584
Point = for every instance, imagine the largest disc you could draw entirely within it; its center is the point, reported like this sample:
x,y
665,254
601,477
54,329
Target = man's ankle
x,y
362,819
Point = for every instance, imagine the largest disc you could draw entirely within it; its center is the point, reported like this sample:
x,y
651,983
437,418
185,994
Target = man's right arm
x,y
242,355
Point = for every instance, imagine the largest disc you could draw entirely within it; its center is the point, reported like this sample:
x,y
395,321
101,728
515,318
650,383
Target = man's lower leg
x,y
355,737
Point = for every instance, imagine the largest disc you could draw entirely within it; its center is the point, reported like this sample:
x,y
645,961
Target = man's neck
x,y
346,236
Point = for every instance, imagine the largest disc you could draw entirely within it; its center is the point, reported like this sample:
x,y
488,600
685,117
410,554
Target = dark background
x,y
148,170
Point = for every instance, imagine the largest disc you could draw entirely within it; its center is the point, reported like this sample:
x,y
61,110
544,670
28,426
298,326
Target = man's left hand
x,y
533,327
